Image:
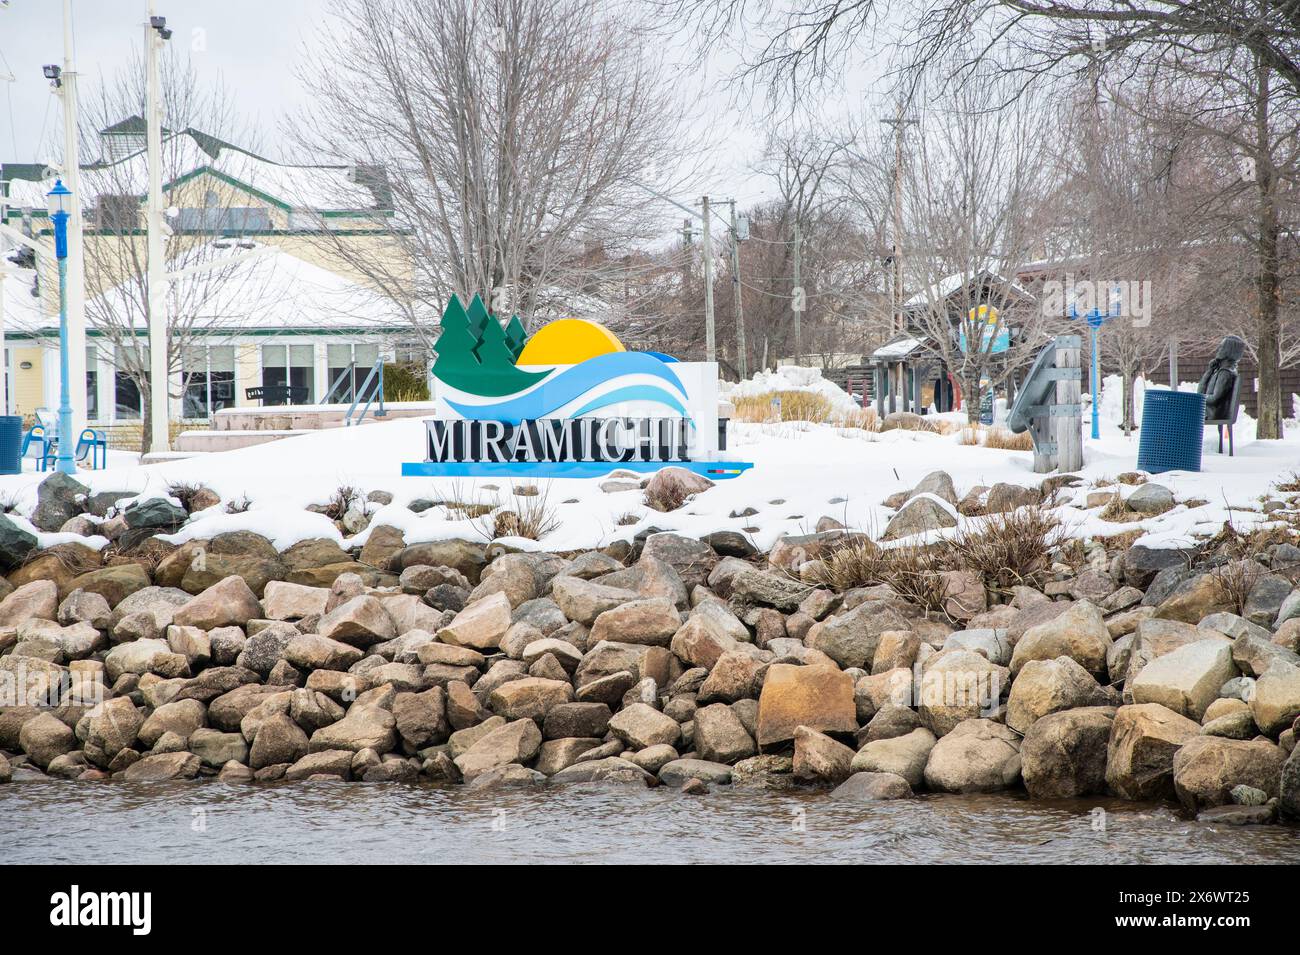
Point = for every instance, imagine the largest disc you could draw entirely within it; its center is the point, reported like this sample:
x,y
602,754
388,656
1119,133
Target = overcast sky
x,y
254,47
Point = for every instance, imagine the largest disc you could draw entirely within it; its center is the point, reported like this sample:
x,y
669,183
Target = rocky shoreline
x,y
1148,674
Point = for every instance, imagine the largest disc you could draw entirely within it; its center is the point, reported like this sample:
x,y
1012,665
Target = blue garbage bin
x,y
1173,429
11,444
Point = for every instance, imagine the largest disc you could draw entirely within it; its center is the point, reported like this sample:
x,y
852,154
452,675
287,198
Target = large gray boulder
x,y
851,638
1064,754
1049,686
15,544
1079,633
919,515
904,756
56,501
1207,768
516,742
1276,702
1188,679
978,756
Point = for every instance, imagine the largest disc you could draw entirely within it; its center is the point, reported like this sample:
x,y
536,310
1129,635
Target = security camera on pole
x,y
155,34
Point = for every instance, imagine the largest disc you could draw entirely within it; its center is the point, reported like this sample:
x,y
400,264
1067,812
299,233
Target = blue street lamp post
x,y
58,199
1094,329
1095,317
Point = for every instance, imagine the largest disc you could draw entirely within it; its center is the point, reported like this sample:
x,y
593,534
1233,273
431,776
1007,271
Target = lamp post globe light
x,y
58,200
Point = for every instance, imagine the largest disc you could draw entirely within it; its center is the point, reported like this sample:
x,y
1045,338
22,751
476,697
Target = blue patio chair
x,y
93,444
39,439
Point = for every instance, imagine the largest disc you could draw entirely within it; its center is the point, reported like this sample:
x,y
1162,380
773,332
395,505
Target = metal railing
x,y
344,375
380,412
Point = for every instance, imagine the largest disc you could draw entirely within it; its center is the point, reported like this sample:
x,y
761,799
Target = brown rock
x,y
819,698
817,756
1140,753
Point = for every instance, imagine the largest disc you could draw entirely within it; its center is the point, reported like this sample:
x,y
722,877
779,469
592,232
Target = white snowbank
x,y
791,378
801,473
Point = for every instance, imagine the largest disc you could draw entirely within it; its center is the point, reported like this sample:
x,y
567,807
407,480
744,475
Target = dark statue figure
x,y
1218,384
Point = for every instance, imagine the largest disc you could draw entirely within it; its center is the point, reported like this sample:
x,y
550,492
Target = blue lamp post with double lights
x,y
58,200
1095,318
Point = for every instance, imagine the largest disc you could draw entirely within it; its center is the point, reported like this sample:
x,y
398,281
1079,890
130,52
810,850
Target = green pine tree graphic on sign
x,y
493,350
516,336
475,355
456,343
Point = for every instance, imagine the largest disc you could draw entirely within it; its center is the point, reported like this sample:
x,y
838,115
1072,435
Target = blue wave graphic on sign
x,y
573,383
632,393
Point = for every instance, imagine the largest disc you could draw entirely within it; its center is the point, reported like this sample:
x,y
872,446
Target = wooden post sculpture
x,y
1048,407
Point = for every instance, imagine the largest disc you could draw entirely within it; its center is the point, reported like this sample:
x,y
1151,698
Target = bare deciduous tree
x,y
197,123
513,136
974,190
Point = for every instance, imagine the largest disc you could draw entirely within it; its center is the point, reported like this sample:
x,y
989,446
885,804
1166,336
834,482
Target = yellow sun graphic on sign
x,y
568,341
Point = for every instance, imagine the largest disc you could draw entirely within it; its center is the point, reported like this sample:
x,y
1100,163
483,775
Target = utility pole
x,y
741,350
76,262
797,299
155,34
710,349
898,323
688,260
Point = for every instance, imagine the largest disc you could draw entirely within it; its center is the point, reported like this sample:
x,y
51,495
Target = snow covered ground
x,y
801,473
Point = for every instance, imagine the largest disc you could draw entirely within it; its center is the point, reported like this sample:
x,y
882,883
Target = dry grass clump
x,y
1118,543
1132,478
148,554
1236,579
860,419
239,504
795,406
917,574
912,572
530,516
1004,549
76,558
627,519
1117,512
462,511
1012,548
667,492
185,492
343,498
999,439
1290,483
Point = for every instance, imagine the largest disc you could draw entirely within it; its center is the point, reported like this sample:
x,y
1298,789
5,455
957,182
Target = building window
x,y
126,393
293,366
229,221
92,383
348,367
208,377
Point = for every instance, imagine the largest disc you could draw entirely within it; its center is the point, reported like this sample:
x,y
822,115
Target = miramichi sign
x,y
570,401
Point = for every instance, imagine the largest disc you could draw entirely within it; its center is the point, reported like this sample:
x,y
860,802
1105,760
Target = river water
x,y
55,821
